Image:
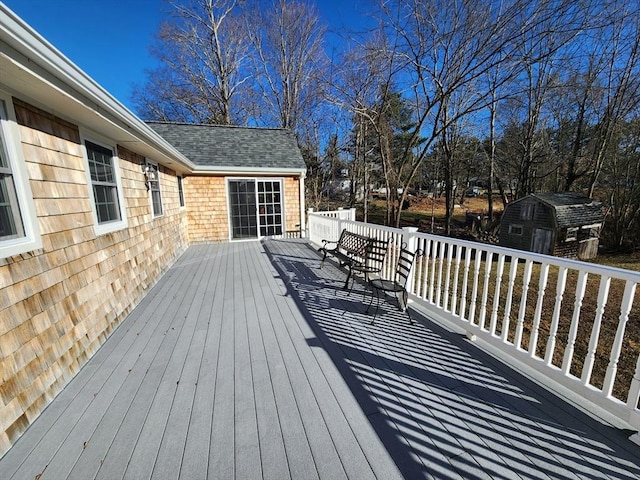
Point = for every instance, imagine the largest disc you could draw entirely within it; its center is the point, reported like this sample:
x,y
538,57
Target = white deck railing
x,y
568,320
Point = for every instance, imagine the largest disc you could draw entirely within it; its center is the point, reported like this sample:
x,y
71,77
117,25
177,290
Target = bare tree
x,y
289,61
203,52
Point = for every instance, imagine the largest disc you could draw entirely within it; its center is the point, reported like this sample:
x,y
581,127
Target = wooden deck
x,y
240,364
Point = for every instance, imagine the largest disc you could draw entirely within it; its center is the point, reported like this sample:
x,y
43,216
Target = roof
x,y
213,147
572,209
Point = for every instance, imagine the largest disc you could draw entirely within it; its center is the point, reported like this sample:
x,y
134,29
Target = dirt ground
x,y
479,204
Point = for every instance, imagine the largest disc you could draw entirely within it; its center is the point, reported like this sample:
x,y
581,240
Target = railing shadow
x,y
443,407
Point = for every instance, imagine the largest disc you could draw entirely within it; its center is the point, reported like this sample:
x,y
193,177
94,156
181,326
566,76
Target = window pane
x,y
107,206
10,219
180,191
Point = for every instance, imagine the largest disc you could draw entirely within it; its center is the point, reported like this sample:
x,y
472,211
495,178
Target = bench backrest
x,y
354,243
376,253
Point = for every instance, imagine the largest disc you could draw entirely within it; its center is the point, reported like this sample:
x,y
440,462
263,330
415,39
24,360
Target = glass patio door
x,y
255,208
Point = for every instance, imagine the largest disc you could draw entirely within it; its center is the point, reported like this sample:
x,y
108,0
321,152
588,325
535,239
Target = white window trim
x,y
109,227
11,136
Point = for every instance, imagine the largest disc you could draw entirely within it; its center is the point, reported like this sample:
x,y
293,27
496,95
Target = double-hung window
x,y
105,187
10,219
180,191
18,225
152,173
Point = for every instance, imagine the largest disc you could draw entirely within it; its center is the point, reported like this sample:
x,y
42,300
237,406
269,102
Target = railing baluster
x,y
465,283
440,265
474,292
634,390
456,278
447,277
496,295
427,271
575,320
485,289
603,295
434,259
625,308
419,266
513,270
555,319
542,286
526,278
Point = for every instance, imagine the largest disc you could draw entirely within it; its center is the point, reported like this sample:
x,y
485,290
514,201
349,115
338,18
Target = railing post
x,y
352,214
307,226
411,241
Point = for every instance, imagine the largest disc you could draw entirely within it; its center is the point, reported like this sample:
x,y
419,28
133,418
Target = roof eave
x,y
243,171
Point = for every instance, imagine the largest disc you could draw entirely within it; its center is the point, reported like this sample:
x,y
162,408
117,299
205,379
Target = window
x,y
103,181
10,219
180,191
571,235
527,211
18,223
153,185
106,191
515,229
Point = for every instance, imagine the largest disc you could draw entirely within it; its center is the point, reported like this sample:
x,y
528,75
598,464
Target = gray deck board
x,y
247,361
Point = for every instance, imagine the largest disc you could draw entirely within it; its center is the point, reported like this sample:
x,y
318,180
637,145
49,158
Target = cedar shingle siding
x,y
59,304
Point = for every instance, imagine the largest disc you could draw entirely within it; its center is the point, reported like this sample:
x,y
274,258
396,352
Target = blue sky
x,y
110,39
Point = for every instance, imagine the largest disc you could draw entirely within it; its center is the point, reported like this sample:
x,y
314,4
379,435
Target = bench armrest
x,y
327,242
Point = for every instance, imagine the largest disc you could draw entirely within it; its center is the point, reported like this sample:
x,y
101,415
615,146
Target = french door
x,y
255,208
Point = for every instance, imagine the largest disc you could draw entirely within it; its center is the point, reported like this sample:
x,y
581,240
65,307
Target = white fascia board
x,y
255,171
77,95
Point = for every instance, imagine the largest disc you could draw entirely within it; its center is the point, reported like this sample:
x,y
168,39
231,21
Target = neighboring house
x,y
248,182
94,206
561,224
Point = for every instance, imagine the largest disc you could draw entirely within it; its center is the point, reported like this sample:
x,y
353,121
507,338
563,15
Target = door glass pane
x,y
242,200
270,224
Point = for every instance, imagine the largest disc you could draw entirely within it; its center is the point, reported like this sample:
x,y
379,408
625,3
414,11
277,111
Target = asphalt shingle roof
x,y
228,146
572,209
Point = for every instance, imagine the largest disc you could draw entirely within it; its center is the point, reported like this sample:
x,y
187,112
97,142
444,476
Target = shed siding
x,y
542,218
58,304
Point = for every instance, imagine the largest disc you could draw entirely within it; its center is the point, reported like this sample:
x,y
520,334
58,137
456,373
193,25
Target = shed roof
x,y
572,209
216,146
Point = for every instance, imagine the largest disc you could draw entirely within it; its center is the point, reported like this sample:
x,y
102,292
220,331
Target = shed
x,y
248,182
562,224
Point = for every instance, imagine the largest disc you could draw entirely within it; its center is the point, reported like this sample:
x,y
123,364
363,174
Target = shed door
x,y
541,242
255,208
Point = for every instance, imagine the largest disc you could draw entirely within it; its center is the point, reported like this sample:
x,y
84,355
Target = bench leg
x,y
346,282
324,256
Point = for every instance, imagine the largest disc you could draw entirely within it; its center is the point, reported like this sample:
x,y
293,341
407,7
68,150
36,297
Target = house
x,y
95,205
248,182
561,224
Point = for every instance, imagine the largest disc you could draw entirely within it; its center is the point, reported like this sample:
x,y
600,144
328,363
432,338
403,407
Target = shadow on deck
x,y
443,407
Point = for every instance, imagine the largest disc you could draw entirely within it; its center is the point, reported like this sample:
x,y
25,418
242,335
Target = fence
x,y
574,324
